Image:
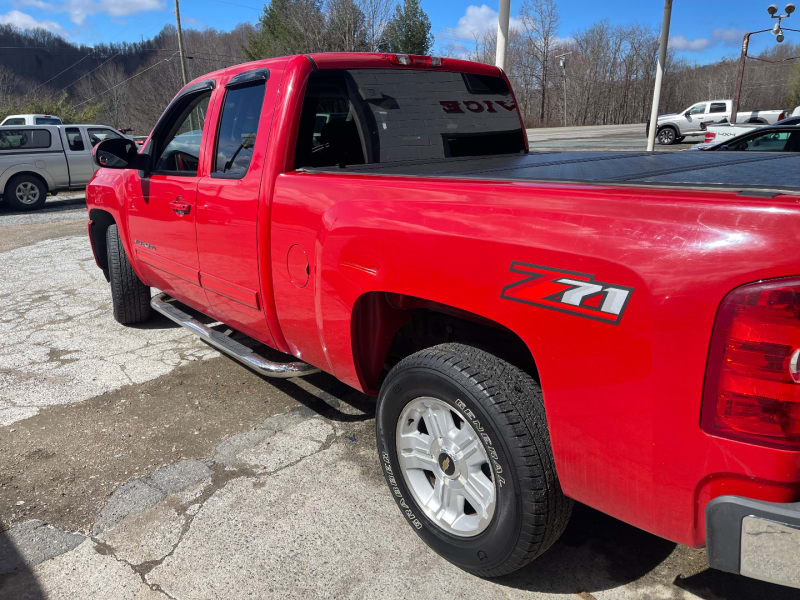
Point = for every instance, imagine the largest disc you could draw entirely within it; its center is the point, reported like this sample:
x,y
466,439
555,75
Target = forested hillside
x,y
608,71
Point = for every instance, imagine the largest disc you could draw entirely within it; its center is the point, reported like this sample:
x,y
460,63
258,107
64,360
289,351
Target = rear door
x,y
161,214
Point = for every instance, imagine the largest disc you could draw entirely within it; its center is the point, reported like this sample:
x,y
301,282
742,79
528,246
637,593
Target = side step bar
x,y
231,347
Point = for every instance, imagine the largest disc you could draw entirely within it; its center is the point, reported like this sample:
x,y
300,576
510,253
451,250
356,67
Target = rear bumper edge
x,y
755,538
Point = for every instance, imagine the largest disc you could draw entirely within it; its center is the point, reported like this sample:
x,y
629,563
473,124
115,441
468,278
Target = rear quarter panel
x,y
622,400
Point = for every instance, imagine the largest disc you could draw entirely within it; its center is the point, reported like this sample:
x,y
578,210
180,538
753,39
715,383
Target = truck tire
x,y
464,447
129,296
667,136
25,192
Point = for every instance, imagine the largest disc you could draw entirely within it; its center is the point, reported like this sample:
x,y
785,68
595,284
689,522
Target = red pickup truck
x,y
620,329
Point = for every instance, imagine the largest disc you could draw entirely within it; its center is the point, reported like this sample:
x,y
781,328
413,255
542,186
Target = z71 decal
x,y
567,291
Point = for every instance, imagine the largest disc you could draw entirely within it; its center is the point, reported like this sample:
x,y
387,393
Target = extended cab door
x,y
161,217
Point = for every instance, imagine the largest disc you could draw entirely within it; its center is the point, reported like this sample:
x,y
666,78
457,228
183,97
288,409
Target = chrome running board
x,y
162,303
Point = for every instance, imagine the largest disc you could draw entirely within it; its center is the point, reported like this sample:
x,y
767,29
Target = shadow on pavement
x,y
712,584
53,204
16,579
596,553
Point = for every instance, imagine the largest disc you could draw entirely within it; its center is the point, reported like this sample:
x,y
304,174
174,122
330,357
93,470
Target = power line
x,y
62,72
153,66
89,72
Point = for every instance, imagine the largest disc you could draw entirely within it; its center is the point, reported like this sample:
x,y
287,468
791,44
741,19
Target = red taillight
x,y
710,136
415,60
752,390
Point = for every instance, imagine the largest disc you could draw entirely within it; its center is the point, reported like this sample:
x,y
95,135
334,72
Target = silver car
x,y
37,160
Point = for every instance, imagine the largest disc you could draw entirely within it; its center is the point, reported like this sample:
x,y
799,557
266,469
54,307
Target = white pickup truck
x,y
36,160
695,120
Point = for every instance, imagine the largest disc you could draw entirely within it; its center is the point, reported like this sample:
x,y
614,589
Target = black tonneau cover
x,y
770,172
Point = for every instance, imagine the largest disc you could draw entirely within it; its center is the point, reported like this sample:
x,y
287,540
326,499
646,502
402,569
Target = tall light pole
x,y
502,33
180,42
662,59
562,62
777,31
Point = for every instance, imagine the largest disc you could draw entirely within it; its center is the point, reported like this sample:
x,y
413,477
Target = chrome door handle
x,y
180,207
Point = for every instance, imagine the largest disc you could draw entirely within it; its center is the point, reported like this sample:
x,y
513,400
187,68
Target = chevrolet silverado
x,y
619,329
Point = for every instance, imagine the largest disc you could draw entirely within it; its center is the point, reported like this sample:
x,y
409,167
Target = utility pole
x,y
662,58
180,43
502,33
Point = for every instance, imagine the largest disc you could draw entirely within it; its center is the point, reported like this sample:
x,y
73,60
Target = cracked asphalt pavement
x,y
137,463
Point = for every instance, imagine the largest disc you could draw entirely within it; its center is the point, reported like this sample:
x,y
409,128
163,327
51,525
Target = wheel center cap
x,y
447,464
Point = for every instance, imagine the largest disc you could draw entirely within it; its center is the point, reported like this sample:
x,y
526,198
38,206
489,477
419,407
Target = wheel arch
x,y
25,170
386,327
99,222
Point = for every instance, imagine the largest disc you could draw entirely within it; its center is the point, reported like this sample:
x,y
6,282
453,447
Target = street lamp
x,y
562,62
777,31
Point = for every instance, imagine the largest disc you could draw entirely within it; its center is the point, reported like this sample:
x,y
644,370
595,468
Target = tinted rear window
x,y
385,115
48,121
24,139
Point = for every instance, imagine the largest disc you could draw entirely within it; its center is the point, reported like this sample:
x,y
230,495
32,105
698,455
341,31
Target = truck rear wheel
x,y
464,447
25,192
129,296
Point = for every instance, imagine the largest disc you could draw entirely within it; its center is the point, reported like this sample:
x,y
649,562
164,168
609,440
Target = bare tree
x,y
377,14
540,20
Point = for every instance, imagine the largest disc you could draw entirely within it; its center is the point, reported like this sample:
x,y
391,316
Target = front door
x,y
162,217
79,156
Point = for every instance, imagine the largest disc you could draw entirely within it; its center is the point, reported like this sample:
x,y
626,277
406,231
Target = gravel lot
x,y
137,463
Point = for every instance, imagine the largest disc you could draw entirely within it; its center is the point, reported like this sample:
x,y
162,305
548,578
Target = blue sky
x,y
701,32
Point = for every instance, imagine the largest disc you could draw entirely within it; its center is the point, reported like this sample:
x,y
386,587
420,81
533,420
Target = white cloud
x,y
680,42
78,10
37,4
476,21
23,20
731,35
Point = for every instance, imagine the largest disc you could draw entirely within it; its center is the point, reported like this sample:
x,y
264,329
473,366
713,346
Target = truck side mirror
x,y
118,153
687,113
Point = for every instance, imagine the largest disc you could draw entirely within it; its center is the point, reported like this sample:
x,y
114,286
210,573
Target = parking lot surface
x,y
137,463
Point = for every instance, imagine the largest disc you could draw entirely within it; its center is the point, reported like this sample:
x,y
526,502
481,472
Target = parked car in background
x,y
38,160
694,120
32,119
727,131
781,137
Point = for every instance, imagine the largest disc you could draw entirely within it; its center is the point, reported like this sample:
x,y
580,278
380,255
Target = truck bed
x,y
773,172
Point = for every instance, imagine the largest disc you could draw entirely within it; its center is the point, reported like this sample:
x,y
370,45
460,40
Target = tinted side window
x,y
17,121
717,107
179,148
98,134
74,139
241,112
24,139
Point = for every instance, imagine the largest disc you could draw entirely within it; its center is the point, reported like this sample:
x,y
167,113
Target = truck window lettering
x,y
98,134
180,146
74,139
24,139
383,115
241,112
